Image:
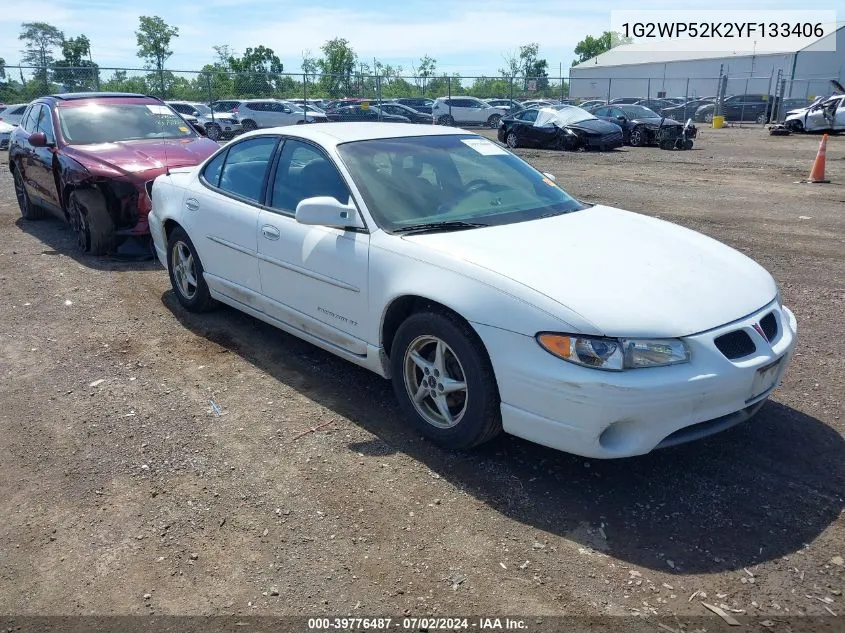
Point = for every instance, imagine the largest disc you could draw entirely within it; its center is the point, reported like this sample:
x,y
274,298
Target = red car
x,y
90,157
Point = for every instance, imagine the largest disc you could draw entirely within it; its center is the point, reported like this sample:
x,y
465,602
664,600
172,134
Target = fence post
x,y
560,72
510,88
210,94
609,82
449,94
305,94
161,80
686,96
742,109
648,89
96,71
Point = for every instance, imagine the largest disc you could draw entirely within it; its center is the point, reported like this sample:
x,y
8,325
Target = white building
x,y
655,70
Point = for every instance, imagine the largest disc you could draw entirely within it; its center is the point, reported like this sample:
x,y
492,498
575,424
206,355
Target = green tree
x,y
40,39
153,38
424,72
257,72
591,46
76,71
120,82
533,67
337,65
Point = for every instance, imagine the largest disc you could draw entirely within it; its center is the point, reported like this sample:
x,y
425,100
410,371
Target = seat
x,y
320,178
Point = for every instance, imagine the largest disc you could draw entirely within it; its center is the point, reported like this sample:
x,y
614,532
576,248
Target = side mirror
x,y
550,176
199,129
327,211
621,118
38,139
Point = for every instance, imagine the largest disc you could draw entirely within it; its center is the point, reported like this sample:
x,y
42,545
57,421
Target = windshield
x,y
224,106
108,123
201,108
449,178
638,112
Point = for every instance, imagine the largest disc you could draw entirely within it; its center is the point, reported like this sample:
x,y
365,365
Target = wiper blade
x,y
455,225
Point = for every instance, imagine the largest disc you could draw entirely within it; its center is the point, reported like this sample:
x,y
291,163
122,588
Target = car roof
x,y
333,134
75,96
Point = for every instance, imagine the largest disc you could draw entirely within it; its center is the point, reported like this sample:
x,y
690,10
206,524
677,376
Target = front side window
x,y
245,167
30,118
303,171
463,178
45,124
92,123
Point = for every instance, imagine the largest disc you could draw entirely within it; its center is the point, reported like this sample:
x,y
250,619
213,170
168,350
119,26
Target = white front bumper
x,y
620,414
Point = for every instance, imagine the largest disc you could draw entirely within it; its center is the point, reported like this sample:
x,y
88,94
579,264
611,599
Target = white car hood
x,y
626,273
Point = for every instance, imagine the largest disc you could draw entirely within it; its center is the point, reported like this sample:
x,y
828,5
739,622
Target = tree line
x,y
258,72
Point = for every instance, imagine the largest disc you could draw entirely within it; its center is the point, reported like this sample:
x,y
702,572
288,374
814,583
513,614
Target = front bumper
x,y
621,414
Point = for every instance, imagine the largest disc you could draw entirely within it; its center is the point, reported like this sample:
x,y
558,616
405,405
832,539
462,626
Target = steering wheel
x,y
472,187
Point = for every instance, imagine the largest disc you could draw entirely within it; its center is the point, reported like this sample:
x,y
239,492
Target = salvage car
x,y
562,127
364,113
826,114
87,158
641,126
490,297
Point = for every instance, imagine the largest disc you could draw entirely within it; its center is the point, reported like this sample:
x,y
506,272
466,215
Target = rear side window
x,y
245,167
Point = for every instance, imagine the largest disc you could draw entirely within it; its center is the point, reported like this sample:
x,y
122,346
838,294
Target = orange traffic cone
x,y
817,172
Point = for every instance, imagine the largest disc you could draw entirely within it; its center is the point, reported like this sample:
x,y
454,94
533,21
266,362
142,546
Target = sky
x,y
471,37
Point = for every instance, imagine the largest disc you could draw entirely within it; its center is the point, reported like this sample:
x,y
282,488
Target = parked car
x,y
591,103
437,258
511,105
685,110
640,126
340,103
263,113
752,107
12,114
537,103
654,104
221,122
828,115
193,113
466,111
624,100
5,133
89,158
397,109
364,113
420,104
563,127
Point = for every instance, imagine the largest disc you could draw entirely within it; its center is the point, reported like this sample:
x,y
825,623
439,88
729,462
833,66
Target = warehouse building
x,y
660,69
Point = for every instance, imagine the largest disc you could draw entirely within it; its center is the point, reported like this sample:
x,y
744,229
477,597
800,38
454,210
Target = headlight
x,y
614,354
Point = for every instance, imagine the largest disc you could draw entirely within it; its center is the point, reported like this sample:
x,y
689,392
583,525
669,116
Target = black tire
x,y
214,132
479,416
511,140
494,120
445,120
249,125
200,300
762,119
90,220
708,118
688,143
29,211
638,137
795,126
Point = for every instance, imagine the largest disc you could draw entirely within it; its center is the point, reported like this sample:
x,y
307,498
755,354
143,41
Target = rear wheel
x,y
29,211
213,131
708,118
446,119
511,140
186,273
638,137
494,119
444,381
761,118
90,221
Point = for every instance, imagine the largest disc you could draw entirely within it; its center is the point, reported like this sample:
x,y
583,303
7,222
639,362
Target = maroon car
x,y
89,157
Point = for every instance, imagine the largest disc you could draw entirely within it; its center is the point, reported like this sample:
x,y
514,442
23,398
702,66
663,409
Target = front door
x,y
313,278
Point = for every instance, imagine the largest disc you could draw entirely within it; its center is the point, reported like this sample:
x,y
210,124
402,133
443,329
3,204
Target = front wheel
x,y
761,118
708,118
90,220
638,137
444,380
213,132
795,126
446,119
186,273
249,125
511,140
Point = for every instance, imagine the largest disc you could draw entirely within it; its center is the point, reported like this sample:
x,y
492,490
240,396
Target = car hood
x,y
131,157
626,273
595,126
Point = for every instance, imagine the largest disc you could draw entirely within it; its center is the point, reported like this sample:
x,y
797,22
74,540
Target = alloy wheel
x,y
20,193
184,269
436,381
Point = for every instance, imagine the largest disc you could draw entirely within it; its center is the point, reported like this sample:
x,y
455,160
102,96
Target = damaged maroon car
x,y
90,158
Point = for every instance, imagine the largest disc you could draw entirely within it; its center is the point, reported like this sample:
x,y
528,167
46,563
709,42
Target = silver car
x,y
12,114
218,124
262,113
5,133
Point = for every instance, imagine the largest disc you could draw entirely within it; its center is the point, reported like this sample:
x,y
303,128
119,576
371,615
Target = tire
x,y
511,140
249,125
688,143
795,126
474,415
182,260
90,221
445,120
761,118
214,132
708,118
494,120
638,137
29,211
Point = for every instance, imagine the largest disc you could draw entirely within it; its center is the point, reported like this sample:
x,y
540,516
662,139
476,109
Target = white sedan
x,y
491,298
823,115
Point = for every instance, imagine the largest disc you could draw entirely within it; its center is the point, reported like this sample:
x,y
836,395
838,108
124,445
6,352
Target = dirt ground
x,y
123,492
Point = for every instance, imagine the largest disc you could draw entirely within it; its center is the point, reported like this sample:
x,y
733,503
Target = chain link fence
x,y
20,84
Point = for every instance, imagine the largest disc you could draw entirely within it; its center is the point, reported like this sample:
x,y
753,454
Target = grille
x,y
735,344
769,325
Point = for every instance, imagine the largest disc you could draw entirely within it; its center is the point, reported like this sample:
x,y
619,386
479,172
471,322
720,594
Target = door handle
x,y
192,204
270,232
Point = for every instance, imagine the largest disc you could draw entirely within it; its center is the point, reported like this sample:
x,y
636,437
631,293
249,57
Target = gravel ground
x,y
124,492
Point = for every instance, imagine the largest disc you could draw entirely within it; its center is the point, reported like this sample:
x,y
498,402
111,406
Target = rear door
x,y
222,208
